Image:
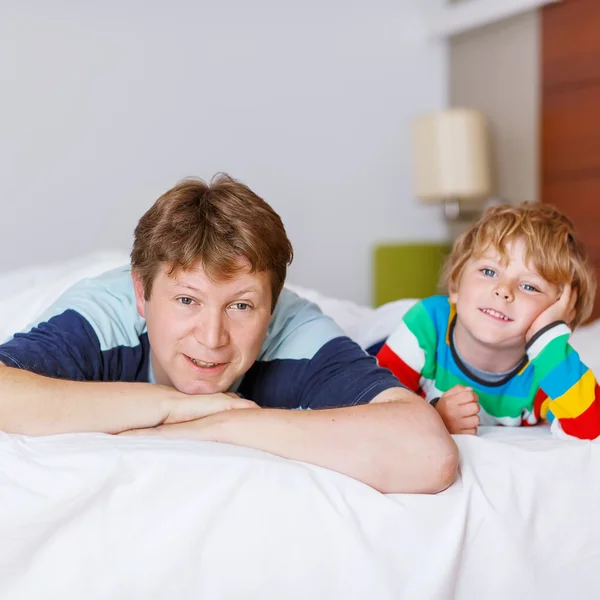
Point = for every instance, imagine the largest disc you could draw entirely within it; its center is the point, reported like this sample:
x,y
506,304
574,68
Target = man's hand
x,y
458,408
182,408
561,310
394,446
199,429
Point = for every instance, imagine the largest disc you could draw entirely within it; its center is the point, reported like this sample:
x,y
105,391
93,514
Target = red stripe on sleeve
x,y
587,425
408,376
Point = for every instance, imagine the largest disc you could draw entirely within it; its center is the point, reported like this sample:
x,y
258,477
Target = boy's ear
x,y
453,292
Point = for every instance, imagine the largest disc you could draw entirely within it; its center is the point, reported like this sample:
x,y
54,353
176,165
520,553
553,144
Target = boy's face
x,y
496,304
204,334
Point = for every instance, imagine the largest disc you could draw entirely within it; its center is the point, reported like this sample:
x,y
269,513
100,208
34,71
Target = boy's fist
x,y
458,408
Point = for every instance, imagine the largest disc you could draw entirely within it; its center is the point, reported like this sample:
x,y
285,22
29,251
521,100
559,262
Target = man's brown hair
x,y
216,224
551,244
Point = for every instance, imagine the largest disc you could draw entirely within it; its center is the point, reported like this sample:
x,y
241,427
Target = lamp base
x,y
453,211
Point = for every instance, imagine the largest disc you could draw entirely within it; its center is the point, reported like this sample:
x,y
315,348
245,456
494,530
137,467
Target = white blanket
x,y
96,516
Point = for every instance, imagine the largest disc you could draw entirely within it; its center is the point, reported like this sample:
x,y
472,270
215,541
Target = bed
x,y
96,516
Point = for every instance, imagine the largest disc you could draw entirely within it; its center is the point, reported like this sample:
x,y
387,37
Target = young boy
x,y
496,349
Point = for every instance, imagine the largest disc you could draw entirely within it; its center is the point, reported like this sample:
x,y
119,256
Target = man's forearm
x,y
31,404
399,446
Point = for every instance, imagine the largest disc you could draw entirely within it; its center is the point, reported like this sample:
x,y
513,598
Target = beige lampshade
x,y
451,156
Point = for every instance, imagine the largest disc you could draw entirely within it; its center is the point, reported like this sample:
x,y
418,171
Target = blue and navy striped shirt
x,y
94,332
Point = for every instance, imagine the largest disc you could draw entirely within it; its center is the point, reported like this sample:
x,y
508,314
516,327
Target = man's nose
x,y
211,331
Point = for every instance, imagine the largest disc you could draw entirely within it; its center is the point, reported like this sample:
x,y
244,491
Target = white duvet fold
x,y
97,516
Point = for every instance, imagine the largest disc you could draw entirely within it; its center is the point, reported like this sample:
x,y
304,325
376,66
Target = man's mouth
x,y
495,314
204,364
201,363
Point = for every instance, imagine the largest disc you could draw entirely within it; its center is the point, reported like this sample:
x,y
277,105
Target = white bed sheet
x,y
96,516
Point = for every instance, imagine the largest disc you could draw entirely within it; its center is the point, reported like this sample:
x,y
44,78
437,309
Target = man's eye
x,y
185,301
488,272
240,306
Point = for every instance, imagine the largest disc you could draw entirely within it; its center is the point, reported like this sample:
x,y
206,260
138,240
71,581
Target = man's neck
x,y
492,359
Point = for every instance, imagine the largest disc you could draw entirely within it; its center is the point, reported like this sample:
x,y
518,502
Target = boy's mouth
x,y
496,314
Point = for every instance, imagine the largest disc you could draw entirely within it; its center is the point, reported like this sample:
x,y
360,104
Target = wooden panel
x,y
570,42
596,311
570,124
571,131
579,199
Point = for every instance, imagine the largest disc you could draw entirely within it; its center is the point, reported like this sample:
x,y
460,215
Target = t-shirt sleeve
x,y
91,333
410,351
341,373
65,347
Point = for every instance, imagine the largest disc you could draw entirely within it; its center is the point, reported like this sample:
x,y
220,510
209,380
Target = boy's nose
x,y
504,293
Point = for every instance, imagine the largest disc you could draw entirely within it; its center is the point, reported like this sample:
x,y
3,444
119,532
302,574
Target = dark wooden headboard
x,y
570,124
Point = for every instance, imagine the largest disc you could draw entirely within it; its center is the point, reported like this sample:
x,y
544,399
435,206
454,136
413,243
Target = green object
x,y
407,271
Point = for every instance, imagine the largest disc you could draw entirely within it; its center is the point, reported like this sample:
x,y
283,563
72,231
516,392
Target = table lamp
x,y
451,158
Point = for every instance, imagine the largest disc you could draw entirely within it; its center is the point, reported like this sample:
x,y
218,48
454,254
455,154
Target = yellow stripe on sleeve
x,y
577,399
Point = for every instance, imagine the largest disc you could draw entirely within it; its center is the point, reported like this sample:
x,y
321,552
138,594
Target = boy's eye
x,y
185,301
488,272
529,288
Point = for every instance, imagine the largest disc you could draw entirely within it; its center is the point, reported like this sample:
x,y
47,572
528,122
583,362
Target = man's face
x,y
204,334
497,303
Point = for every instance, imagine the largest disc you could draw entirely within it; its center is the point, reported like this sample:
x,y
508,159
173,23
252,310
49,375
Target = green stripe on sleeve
x,y
419,322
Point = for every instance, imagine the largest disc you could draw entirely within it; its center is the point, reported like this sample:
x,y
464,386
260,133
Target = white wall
x,y
496,69
104,106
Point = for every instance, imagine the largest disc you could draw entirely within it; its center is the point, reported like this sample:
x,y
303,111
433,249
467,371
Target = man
x,y
167,346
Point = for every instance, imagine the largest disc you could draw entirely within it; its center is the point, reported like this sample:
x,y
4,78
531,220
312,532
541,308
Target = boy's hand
x,y
458,408
561,310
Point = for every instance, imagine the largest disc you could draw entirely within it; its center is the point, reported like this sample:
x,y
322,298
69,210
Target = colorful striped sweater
x,y
550,382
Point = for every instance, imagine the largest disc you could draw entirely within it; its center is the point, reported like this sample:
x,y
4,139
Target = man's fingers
x,y
147,431
189,408
170,430
226,402
238,402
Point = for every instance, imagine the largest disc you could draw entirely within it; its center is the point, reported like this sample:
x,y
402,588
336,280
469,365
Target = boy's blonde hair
x,y
551,244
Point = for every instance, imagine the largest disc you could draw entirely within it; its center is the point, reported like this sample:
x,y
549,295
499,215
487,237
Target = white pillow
x,y
348,315
381,322
26,293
